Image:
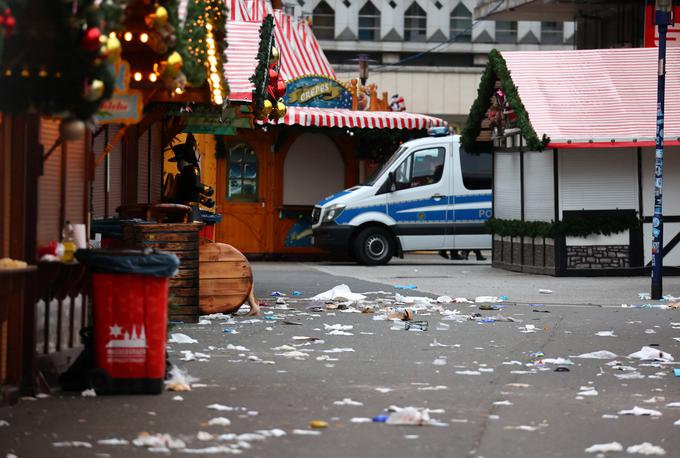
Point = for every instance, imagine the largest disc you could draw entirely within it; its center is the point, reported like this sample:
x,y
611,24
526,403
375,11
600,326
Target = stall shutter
x,y
115,172
49,185
143,151
99,185
539,189
155,183
506,186
74,210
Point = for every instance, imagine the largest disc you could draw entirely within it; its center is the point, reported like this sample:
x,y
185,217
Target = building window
x,y
506,31
369,22
461,24
323,20
552,33
415,23
242,168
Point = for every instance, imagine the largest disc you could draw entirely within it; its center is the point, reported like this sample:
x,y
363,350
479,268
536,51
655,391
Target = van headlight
x,y
332,212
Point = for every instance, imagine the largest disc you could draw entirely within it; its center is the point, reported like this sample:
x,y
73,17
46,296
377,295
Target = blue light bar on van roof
x,y
441,131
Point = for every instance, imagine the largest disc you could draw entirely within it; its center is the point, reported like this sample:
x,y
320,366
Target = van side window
x,y
476,169
421,168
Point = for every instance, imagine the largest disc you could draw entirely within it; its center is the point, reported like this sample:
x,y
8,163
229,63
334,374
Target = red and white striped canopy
x,y
597,98
300,53
325,117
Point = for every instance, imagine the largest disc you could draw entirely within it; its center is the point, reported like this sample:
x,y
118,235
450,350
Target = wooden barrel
x,y
225,278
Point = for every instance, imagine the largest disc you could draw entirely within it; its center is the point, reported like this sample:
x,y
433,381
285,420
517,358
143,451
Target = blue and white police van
x,y
430,195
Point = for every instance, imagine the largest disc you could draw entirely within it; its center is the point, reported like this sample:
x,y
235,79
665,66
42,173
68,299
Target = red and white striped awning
x,y
300,53
597,98
349,119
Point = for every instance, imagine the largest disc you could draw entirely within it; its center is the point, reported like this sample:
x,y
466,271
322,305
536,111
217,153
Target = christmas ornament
x,y
280,108
174,63
266,109
280,89
90,41
95,91
157,19
72,129
275,55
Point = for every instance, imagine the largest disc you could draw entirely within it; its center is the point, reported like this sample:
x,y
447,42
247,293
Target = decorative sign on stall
x,y
317,91
126,105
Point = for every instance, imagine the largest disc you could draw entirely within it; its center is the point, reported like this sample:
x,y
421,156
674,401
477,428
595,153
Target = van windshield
x,y
380,171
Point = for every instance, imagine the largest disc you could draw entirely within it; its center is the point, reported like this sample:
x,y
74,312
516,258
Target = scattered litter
x,y
179,380
605,448
416,326
646,449
230,331
610,416
503,403
433,388
444,299
482,299
236,347
468,373
293,323
411,416
673,404
73,444
4,423
522,427
651,354
278,294
318,424
605,334
650,331
178,398
306,432
437,344
88,393
676,371
529,328
219,421
347,402
405,315
338,350
181,339
295,354
297,293
545,291
558,361
586,391
601,354
339,293
221,408
640,412
113,441
562,369
204,436
405,287
360,420
383,390
439,361
338,327
158,441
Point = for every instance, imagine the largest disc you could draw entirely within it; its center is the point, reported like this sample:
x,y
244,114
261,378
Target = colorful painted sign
x,y
652,32
317,91
126,105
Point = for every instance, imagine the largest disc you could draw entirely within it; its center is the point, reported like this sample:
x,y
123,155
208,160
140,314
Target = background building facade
x,y
431,52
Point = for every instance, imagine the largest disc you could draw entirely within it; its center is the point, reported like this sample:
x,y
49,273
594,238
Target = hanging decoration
x,y
60,64
270,88
162,36
506,107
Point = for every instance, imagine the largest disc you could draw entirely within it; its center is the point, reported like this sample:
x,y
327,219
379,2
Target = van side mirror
x,y
392,182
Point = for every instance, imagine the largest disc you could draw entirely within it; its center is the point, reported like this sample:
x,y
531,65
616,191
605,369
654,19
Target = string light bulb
x,y
137,76
144,37
127,36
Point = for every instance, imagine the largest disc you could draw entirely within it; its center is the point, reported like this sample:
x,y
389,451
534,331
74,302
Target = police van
x,y
430,195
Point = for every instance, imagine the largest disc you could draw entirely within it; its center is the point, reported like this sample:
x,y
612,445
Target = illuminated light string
x,y
214,78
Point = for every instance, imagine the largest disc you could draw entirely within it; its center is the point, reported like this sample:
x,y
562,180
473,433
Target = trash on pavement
x,y
74,444
179,380
89,393
600,354
605,334
605,448
416,325
306,432
113,441
405,287
562,369
361,420
318,424
405,315
219,421
347,402
646,449
676,371
339,293
180,338
640,412
158,441
651,354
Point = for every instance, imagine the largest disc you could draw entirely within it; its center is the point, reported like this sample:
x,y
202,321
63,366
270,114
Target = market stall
x,y
573,135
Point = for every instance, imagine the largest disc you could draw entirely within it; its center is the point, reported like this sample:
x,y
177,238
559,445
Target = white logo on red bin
x,y
127,347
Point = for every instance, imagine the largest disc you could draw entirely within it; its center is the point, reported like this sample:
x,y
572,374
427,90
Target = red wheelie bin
x,y
130,318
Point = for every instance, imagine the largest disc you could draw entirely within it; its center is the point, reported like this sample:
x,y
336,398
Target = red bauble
x,y
273,76
10,23
280,89
90,41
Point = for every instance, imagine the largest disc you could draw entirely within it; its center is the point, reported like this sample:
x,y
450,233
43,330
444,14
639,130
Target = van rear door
x,y
419,203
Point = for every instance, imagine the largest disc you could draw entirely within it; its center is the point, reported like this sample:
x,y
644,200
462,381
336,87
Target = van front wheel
x,y
374,246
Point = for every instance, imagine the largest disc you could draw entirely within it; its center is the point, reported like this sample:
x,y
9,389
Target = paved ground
x,y
483,380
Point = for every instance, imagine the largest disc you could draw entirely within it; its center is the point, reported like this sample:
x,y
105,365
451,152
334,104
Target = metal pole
x,y
663,18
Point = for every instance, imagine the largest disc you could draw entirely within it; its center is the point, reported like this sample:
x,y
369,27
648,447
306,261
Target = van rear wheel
x,y
374,246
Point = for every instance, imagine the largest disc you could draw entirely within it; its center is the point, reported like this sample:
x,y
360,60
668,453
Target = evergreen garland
x,y
261,76
497,69
576,226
